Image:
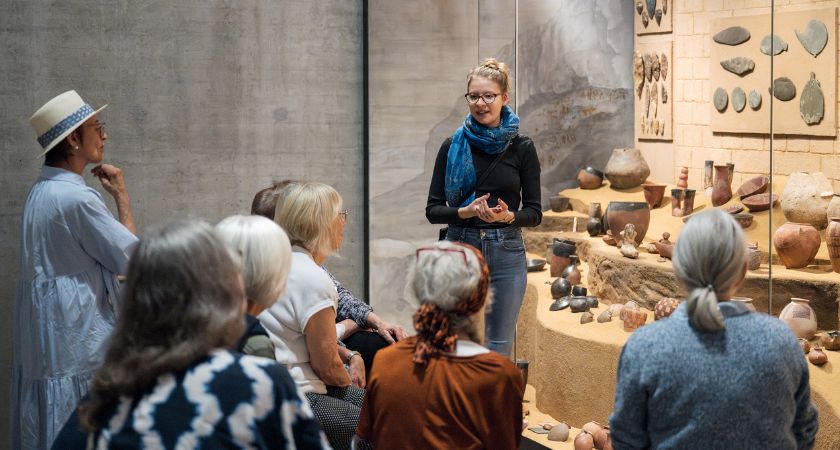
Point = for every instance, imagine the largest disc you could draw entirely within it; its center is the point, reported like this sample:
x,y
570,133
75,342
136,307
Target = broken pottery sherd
x,y
739,65
814,37
783,89
720,99
772,45
732,36
754,99
739,99
812,102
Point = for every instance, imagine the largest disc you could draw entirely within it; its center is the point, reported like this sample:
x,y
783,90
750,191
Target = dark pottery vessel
x,y
560,288
560,251
571,272
559,304
743,219
535,264
594,227
654,193
590,178
591,301
619,214
830,340
578,291
578,304
559,203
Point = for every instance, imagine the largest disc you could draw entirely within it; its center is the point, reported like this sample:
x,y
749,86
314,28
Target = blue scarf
x,y
460,171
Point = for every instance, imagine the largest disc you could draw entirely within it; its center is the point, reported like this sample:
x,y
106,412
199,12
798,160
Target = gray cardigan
x,y
741,388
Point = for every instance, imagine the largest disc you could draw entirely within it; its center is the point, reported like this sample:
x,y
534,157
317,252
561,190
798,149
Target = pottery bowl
x,y
619,214
535,264
753,186
559,203
654,193
743,219
578,291
563,247
760,202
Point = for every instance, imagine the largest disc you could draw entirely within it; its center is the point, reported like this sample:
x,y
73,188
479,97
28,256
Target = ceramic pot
x,y
833,209
560,288
800,317
806,198
559,432
602,439
796,244
753,186
804,345
591,301
754,261
664,247
748,302
626,168
589,178
579,291
830,340
760,202
558,203
559,304
593,227
592,427
817,356
832,241
559,259
722,188
743,219
633,319
682,180
654,193
682,202
584,441
619,214
571,272
708,178
594,210
631,305
578,304
665,307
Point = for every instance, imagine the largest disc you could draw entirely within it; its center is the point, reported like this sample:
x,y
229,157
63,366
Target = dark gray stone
x,y
732,36
739,65
658,16
814,37
720,99
783,89
778,45
739,99
651,6
812,102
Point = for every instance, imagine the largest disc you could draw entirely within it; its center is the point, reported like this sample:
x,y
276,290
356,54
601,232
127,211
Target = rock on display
x,y
772,45
732,36
739,99
783,89
720,99
814,37
812,102
739,65
754,99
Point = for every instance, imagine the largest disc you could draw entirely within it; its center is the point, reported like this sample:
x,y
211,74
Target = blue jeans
x,y
504,252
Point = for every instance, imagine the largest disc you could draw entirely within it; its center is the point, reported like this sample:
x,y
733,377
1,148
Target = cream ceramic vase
x,y
800,317
806,198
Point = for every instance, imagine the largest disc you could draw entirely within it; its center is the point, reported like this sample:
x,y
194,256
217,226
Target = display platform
x,y
573,366
534,441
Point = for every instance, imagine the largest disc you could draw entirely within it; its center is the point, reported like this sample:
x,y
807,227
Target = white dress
x,y
71,249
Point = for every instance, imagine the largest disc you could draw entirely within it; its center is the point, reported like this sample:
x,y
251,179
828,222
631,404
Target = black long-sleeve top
x,y
515,179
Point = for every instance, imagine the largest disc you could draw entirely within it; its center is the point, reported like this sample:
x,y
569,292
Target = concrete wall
x,y
209,102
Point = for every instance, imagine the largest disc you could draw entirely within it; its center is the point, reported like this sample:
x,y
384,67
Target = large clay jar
x,y
626,168
571,272
619,214
796,244
654,193
833,209
832,241
806,198
800,317
722,188
589,178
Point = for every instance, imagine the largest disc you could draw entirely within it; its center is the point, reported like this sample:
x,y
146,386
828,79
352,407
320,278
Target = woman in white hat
x,y
71,250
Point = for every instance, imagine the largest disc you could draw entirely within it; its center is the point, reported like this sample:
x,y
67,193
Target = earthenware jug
x,y
796,244
832,241
626,168
722,188
806,198
800,317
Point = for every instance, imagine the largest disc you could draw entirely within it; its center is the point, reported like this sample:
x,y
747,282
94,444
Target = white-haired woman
x,y
713,375
301,323
442,388
266,258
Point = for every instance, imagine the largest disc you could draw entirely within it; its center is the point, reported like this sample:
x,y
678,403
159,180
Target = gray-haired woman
x,y
713,375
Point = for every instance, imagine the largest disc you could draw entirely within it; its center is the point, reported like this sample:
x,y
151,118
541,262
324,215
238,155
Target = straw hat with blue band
x,y
59,117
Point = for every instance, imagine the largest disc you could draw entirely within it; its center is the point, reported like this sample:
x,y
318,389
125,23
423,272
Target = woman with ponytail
x,y
486,187
442,388
714,374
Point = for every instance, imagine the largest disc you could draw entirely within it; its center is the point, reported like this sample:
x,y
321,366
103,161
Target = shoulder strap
x,y
493,164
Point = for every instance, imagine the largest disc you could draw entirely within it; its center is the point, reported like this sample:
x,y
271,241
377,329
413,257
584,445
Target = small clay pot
x,y
602,439
743,219
586,317
830,340
804,344
665,247
559,203
591,301
559,432
665,307
760,202
722,188
654,192
594,226
560,287
592,427
631,305
832,241
578,291
584,441
633,319
561,250
796,244
578,304
590,178
817,356
754,261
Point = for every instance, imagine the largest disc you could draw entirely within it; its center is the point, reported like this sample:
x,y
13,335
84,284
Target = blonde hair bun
x,y
492,69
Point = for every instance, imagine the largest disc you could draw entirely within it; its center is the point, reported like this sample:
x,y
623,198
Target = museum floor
x,y
573,366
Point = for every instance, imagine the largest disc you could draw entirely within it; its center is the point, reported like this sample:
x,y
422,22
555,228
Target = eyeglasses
x,y
438,249
100,127
344,213
473,98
